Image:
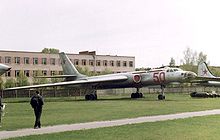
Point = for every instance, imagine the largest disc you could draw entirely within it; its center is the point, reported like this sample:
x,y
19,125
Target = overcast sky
x,y
151,30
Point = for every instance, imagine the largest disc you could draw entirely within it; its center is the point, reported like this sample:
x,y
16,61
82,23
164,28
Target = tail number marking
x,y
159,77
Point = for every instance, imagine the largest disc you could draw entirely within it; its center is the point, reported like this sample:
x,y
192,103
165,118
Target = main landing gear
x,y
91,96
137,94
161,96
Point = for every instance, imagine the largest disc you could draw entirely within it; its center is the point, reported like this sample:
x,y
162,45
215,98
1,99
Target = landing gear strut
x,y
161,96
91,96
137,94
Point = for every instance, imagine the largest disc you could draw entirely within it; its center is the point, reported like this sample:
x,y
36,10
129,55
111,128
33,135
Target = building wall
x,y
93,62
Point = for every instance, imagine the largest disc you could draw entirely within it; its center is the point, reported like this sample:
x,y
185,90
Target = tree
x,y
189,57
142,69
39,80
50,51
22,80
192,58
55,80
201,58
85,71
9,83
172,62
1,83
106,71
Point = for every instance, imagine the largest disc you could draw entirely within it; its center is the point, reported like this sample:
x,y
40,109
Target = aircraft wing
x,y
78,82
56,76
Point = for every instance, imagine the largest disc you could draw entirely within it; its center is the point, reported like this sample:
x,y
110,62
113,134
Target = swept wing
x,y
78,82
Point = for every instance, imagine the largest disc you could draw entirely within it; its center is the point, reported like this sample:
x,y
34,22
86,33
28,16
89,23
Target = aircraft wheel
x,y
161,97
132,95
87,97
140,95
136,95
92,97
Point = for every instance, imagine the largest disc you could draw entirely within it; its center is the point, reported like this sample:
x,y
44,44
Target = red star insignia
x,y
205,72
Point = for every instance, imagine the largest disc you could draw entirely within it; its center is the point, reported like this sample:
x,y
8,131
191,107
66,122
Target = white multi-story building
x,y
49,64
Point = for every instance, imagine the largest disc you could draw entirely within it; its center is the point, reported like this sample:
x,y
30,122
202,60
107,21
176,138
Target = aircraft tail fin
x,y
69,68
203,70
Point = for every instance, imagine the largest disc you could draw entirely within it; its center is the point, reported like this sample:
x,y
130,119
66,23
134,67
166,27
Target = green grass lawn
x,y
197,128
19,113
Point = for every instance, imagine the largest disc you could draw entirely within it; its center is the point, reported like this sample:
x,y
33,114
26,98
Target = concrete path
x,y
99,124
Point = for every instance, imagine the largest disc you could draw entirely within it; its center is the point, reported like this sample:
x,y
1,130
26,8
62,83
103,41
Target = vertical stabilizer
x,y
68,67
203,70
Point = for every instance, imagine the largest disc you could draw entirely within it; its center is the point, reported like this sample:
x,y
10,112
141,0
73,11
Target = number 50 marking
x,y
159,77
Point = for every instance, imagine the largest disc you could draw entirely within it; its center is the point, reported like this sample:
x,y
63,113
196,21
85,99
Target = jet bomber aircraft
x,y
137,79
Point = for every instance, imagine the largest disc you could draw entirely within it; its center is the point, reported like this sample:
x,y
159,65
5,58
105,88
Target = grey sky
x,y
151,30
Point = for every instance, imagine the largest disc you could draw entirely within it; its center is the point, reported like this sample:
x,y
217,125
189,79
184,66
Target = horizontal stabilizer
x,y
203,70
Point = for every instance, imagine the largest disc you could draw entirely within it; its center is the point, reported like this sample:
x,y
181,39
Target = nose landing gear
x,y
137,94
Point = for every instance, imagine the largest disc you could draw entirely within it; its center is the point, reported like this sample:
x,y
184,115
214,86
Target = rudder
x,y
68,67
203,70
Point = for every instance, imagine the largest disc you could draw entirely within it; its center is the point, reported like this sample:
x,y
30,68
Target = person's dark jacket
x,y
37,101
1,105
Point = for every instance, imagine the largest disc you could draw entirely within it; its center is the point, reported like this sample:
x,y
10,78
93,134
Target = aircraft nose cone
x,y
9,68
4,68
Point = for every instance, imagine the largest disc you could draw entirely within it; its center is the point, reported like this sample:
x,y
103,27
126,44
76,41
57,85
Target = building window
x,y
52,61
35,61
17,73
44,72
17,60
35,73
98,63
60,72
26,60
124,63
118,63
27,73
105,63
0,59
72,60
76,62
112,63
8,74
131,64
8,60
91,62
59,61
52,72
44,61
84,62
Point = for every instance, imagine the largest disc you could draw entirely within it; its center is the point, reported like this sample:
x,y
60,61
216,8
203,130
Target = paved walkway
x,y
99,124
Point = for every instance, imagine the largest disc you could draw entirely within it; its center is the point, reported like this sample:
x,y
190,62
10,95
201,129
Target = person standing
x,y
37,103
2,107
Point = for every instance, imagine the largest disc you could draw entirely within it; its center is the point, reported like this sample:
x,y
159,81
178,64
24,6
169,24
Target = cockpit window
x,y
173,70
170,70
